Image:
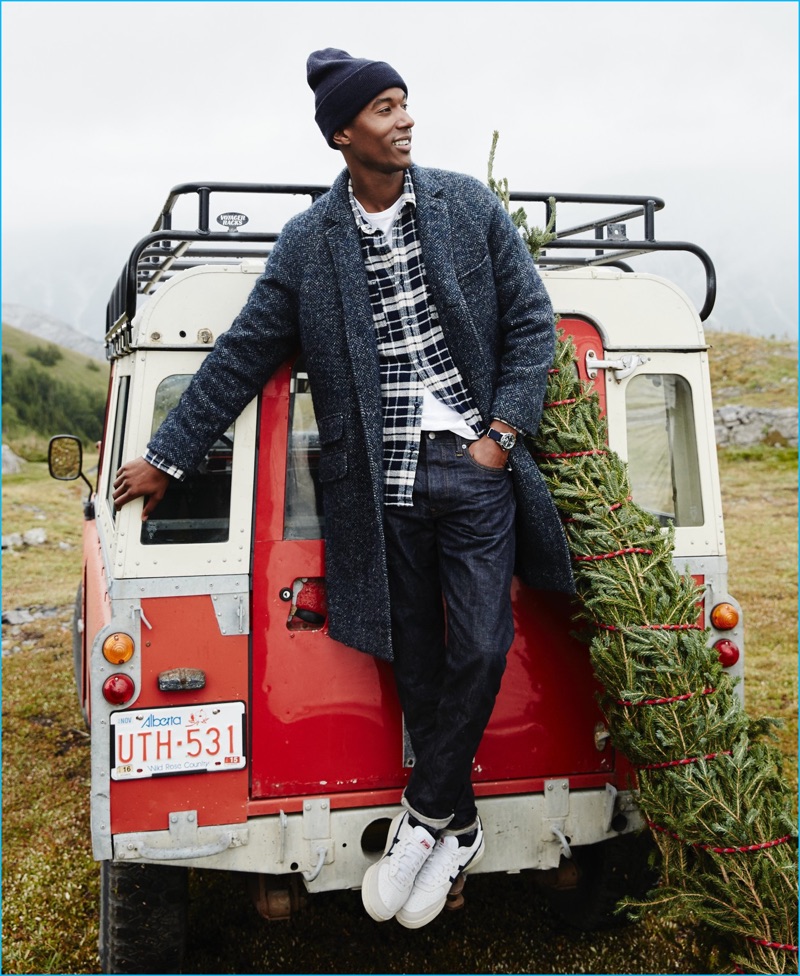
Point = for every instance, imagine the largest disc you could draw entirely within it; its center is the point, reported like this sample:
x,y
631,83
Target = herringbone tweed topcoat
x,y
498,323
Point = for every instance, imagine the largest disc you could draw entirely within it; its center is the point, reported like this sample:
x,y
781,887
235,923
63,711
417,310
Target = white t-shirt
x,y
436,415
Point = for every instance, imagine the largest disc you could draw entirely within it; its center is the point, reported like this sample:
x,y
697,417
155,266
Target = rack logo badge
x,y
233,221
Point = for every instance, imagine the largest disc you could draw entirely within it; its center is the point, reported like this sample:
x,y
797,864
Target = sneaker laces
x,y
443,863
408,857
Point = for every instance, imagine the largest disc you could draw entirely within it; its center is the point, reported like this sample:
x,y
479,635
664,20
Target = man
x,y
427,336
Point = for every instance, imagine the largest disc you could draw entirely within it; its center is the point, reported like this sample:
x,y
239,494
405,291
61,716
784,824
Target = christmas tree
x,y
709,784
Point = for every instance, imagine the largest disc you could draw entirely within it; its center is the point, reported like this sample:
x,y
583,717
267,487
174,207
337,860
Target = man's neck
x,y
377,192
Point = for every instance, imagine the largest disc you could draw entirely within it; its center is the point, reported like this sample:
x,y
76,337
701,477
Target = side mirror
x,y
65,457
65,463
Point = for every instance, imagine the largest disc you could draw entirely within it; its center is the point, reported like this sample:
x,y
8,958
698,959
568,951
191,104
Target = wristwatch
x,y
506,440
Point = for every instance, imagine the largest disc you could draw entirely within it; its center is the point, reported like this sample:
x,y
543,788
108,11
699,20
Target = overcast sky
x,y
107,105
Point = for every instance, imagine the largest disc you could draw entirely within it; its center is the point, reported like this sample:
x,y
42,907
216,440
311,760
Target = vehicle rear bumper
x,y
332,849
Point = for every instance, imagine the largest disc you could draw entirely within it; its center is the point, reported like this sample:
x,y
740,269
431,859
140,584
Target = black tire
x,y
606,873
143,917
77,651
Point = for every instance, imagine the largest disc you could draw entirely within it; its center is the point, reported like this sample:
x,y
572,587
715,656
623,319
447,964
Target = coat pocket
x,y
330,428
475,267
332,466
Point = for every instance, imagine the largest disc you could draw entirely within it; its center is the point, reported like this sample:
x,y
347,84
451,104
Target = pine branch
x,y
535,237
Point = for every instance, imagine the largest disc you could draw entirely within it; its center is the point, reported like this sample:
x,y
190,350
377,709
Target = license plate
x,y
180,739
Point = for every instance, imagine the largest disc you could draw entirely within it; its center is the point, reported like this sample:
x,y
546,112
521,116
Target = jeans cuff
x,y
458,831
428,821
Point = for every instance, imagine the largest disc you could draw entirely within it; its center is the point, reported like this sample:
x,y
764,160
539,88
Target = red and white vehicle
x,y
228,729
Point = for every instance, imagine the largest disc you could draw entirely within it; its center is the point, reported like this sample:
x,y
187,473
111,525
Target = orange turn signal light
x,y
724,616
118,648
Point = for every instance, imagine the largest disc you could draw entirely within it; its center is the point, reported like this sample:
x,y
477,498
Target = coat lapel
x,y
345,250
437,234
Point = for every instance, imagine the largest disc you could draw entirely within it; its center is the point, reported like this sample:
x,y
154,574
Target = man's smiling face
x,y
379,137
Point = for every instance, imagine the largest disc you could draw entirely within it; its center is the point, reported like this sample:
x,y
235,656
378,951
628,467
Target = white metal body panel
x,y
633,311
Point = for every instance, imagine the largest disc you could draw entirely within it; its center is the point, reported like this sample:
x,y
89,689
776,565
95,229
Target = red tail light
x,y
118,689
728,652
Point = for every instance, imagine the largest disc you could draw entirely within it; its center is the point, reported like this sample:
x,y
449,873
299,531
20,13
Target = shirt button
x,y
431,435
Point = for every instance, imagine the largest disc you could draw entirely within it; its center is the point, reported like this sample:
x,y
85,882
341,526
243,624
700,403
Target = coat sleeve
x,y
526,326
262,336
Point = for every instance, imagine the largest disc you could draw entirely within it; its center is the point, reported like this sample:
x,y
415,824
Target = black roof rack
x,y
166,249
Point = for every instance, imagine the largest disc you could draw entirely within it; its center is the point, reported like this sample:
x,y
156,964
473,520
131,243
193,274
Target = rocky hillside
x,y
754,385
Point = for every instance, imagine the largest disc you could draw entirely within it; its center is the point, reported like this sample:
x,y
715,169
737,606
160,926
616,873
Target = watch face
x,y
507,441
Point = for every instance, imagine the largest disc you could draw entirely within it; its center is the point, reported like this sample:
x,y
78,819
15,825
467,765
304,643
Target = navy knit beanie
x,y
343,85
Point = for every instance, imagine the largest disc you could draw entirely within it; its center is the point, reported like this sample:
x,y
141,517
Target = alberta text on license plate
x,y
181,739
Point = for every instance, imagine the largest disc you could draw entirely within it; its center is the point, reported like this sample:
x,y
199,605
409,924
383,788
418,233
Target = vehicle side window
x,y
196,509
303,512
117,440
662,448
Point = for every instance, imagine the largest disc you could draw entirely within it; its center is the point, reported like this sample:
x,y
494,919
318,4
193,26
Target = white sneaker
x,y
433,882
388,883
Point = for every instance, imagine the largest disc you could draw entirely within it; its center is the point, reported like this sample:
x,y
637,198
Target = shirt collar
x,y
407,196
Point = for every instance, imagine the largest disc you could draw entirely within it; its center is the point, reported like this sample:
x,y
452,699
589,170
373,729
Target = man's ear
x,y
341,138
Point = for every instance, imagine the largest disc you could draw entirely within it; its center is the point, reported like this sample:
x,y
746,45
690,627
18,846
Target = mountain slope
x,y
52,330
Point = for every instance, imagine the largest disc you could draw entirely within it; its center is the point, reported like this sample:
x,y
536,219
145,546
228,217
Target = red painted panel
x,y
325,718
185,633
585,336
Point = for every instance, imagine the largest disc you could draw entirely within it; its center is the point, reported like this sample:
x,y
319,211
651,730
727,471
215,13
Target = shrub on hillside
x,y
35,401
46,355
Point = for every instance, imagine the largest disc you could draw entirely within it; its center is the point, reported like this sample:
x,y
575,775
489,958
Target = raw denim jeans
x,y
450,558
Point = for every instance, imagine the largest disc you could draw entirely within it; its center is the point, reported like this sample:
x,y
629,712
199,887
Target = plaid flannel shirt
x,y
411,346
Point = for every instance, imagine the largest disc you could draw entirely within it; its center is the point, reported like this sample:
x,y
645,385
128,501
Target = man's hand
x,y
137,478
488,452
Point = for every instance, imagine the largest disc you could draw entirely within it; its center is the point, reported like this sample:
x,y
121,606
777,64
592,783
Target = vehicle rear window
x,y
197,509
662,448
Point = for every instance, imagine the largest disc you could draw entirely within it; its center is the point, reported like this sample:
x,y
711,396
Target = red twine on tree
x,y
772,945
572,454
649,626
667,701
560,403
611,508
684,762
634,550
721,850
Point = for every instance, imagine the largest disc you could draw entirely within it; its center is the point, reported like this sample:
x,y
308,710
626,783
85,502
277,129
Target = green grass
x,y
759,493
752,371
45,575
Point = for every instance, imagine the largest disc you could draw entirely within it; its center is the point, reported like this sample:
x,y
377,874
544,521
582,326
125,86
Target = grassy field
x,y
50,882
